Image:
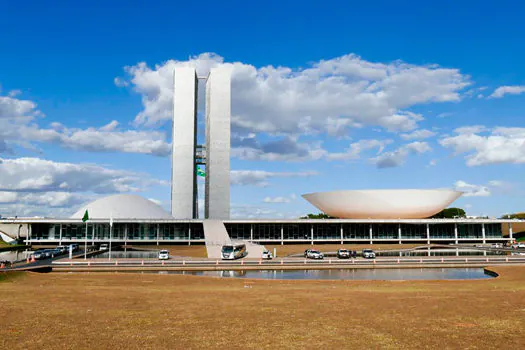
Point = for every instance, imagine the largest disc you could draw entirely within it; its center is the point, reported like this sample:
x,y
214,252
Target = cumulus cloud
x,y
316,98
399,156
39,175
280,199
472,190
260,177
509,89
45,199
418,134
484,146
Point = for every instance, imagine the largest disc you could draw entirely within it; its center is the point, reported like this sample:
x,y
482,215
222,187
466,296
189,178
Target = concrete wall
x,y
183,179
218,115
11,231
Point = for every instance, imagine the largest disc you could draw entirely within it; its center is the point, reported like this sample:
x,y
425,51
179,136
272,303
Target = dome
x,y
123,206
383,204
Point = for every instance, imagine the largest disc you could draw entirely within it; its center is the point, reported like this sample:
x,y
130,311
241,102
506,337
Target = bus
x,y
233,251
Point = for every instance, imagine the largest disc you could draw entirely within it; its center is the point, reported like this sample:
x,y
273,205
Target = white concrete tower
x,y
183,171
218,115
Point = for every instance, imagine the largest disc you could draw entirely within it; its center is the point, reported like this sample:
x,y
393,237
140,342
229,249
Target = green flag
x,y
200,172
85,217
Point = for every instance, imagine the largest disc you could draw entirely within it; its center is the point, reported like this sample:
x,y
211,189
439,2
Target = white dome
x,y
382,204
123,206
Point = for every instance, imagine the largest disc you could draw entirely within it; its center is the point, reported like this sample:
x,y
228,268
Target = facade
x,y
183,171
383,204
187,154
426,231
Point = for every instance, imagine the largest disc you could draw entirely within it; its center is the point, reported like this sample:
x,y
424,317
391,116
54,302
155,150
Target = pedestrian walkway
x,y
216,236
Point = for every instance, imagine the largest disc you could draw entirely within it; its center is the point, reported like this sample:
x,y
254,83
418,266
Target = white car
x,y
164,255
104,246
369,254
314,254
267,255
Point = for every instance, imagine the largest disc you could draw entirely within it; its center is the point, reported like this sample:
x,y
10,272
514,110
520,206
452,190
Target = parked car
x,y
74,247
369,254
267,255
343,254
62,248
164,255
103,246
306,252
55,252
314,254
39,254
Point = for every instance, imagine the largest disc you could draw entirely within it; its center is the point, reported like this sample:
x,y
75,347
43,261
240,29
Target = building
x,y
187,155
372,216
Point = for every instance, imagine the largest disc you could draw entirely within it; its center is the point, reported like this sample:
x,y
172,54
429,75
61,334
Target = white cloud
x,y
280,199
399,156
278,99
39,175
509,89
472,190
501,145
260,177
418,134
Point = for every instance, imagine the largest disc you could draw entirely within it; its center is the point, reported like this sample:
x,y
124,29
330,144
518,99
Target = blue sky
x,y
325,95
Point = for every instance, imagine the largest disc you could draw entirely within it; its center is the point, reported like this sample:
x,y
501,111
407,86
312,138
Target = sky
x,y
326,96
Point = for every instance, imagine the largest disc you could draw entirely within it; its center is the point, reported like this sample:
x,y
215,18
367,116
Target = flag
x,y
85,217
200,172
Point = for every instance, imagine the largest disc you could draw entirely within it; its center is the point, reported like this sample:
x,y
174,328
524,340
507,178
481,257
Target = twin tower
x,y
187,154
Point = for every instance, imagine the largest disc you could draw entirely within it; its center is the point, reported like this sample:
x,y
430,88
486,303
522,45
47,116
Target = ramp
x,y
216,236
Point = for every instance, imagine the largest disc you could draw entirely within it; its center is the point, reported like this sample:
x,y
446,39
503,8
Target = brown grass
x,y
132,311
195,251
516,227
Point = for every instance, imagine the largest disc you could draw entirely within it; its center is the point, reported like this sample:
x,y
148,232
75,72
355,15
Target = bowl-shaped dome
x,y
383,204
123,206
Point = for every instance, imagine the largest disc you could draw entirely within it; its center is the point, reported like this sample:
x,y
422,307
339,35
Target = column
x,y
251,232
428,234
399,233
342,241
158,233
29,233
370,234
125,237
483,233
60,234
312,233
183,168
282,234
511,236
218,120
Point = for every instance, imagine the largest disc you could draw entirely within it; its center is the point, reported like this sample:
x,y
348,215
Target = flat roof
x,y
262,221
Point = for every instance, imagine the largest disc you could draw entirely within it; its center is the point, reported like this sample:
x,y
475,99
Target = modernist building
x,y
372,216
187,154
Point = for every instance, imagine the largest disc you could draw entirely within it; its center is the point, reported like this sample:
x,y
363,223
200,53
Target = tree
x,y
317,216
449,213
520,216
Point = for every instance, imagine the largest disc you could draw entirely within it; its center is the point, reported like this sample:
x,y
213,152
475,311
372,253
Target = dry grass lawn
x,y
138,311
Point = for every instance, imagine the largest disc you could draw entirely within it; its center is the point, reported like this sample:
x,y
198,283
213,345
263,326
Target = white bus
x,y
233,251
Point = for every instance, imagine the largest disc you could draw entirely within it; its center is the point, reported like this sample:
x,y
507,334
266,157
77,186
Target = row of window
x,y
263,231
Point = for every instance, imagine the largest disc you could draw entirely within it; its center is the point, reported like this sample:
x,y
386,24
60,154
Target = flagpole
x,y
85,242
110,234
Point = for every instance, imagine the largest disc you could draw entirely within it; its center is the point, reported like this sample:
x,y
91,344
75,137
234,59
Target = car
x,y
62,248
55,252
306,252
74,247
314,254
343,254
267,255
164,254
368,254
104,246
520,245
39,254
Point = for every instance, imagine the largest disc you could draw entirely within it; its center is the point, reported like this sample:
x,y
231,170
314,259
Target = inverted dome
x,y
383,204
123,206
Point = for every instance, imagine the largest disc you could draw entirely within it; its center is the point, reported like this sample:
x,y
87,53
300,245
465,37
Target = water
x,y
347,274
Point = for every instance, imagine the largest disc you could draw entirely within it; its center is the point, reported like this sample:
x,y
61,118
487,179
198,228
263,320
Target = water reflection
x,y
348,274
